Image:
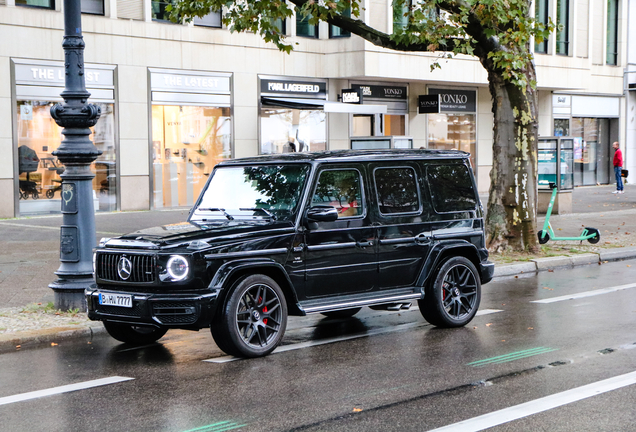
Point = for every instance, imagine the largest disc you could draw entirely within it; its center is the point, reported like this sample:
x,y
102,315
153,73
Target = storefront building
x,y
177,99
37,87
594,123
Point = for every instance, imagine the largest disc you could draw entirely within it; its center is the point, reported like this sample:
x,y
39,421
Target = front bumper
x,y
189,311
487,271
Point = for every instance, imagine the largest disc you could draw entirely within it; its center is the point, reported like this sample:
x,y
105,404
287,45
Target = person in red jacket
x,y
618,167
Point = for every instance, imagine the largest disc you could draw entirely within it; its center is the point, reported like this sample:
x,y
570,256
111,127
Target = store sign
x,y
428,104
351,96
561,101
53,75
381,92
285,87
456,100
194,83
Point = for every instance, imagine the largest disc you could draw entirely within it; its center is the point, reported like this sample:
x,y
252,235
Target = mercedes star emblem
x,y
124,268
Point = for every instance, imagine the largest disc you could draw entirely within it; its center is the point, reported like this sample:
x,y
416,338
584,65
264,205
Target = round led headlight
x,y
178,267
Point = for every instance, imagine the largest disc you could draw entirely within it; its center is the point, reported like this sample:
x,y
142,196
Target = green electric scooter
x,y
592,235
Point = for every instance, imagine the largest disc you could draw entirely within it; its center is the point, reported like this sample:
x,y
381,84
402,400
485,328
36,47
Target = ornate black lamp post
x,y
76,152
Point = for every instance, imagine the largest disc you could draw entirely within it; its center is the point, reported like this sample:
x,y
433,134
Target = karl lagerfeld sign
x,y
456,100
351,96
292,87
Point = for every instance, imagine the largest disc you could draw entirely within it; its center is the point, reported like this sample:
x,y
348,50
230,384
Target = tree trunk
x,y
511,219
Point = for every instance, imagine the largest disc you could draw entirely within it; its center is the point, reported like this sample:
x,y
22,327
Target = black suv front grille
x,y
143,267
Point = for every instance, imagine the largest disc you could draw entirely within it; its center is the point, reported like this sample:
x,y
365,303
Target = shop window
x,y
336,32
93,7
394,125
612,33
303,28
453,132
286,130
363,125
561,127
281,25
541,15
188,141
39,170
45,4
563,21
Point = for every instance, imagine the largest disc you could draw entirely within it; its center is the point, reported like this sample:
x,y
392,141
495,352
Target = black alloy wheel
x,y
452,298
50,193
134,335
343,313
254,318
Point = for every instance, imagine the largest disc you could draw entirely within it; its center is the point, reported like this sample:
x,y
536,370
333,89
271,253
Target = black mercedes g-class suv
x,y
295,234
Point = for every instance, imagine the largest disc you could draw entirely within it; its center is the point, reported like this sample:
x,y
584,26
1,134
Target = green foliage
x,y
498,31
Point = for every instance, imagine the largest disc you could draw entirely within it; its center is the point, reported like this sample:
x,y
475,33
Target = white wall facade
x,y
128,40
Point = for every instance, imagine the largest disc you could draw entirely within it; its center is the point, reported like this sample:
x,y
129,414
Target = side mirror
x,y
322,214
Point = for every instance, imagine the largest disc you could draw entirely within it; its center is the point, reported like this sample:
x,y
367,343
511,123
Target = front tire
x,y
452,298
134,335
254,318
544,237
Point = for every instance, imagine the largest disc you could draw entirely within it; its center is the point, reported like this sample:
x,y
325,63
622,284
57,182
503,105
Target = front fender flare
x,y
228,270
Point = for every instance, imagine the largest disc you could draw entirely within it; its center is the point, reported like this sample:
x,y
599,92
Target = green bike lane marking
x,y
512,356
218,427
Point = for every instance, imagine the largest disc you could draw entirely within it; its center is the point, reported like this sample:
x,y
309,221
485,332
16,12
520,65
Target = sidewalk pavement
x,y
30,257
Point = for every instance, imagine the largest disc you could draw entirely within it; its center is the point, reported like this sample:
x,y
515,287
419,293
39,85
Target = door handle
x,y
422,239
364,243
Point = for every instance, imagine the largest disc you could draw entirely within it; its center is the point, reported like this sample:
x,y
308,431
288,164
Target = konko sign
x,y
455,100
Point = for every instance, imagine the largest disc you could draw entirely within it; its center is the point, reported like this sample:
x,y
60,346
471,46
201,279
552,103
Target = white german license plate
x,y
111,299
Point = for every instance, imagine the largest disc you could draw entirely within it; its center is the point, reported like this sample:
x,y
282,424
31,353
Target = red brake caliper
x,y
260,299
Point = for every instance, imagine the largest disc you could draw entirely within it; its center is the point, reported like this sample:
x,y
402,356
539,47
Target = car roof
x,y
349,156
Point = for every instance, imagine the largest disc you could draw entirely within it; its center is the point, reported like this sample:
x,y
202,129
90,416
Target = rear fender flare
x,y
437,254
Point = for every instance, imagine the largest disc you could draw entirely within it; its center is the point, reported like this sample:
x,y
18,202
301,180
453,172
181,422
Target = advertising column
x,y
191,132
38,185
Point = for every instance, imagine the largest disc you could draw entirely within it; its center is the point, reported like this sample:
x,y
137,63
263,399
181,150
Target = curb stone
x,y
40,337
32,338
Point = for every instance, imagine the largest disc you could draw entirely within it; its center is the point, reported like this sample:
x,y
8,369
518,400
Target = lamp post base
x,y
68,294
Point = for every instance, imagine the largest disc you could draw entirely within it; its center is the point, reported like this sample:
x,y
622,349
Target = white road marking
x,y
586,294
300,345
62,389
539,405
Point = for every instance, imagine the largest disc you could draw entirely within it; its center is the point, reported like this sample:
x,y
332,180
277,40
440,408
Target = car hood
x,y
186,232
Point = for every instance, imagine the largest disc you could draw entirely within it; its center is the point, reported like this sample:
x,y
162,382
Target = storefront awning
x,y
327,106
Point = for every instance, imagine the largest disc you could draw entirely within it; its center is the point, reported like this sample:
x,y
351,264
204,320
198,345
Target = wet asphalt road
x,y
401,375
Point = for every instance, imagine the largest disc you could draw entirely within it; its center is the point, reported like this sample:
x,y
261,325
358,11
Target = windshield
x,y
269,192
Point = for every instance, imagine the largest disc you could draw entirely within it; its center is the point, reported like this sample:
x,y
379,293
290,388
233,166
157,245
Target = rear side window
x,y
451,188
397,190
342,190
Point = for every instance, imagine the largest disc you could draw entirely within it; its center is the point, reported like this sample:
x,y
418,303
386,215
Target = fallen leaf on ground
x,y
357,409
530,328
488,325
551,289
53,344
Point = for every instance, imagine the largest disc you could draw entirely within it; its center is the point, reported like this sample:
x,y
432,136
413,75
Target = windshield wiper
x,y
214,209
268,213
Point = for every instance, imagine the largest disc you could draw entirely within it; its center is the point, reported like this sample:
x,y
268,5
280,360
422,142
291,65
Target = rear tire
x,y
134,335
254,318
452,298
343,313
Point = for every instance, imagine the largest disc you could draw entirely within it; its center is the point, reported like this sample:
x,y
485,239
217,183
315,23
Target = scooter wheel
x,y
597,235
544,237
